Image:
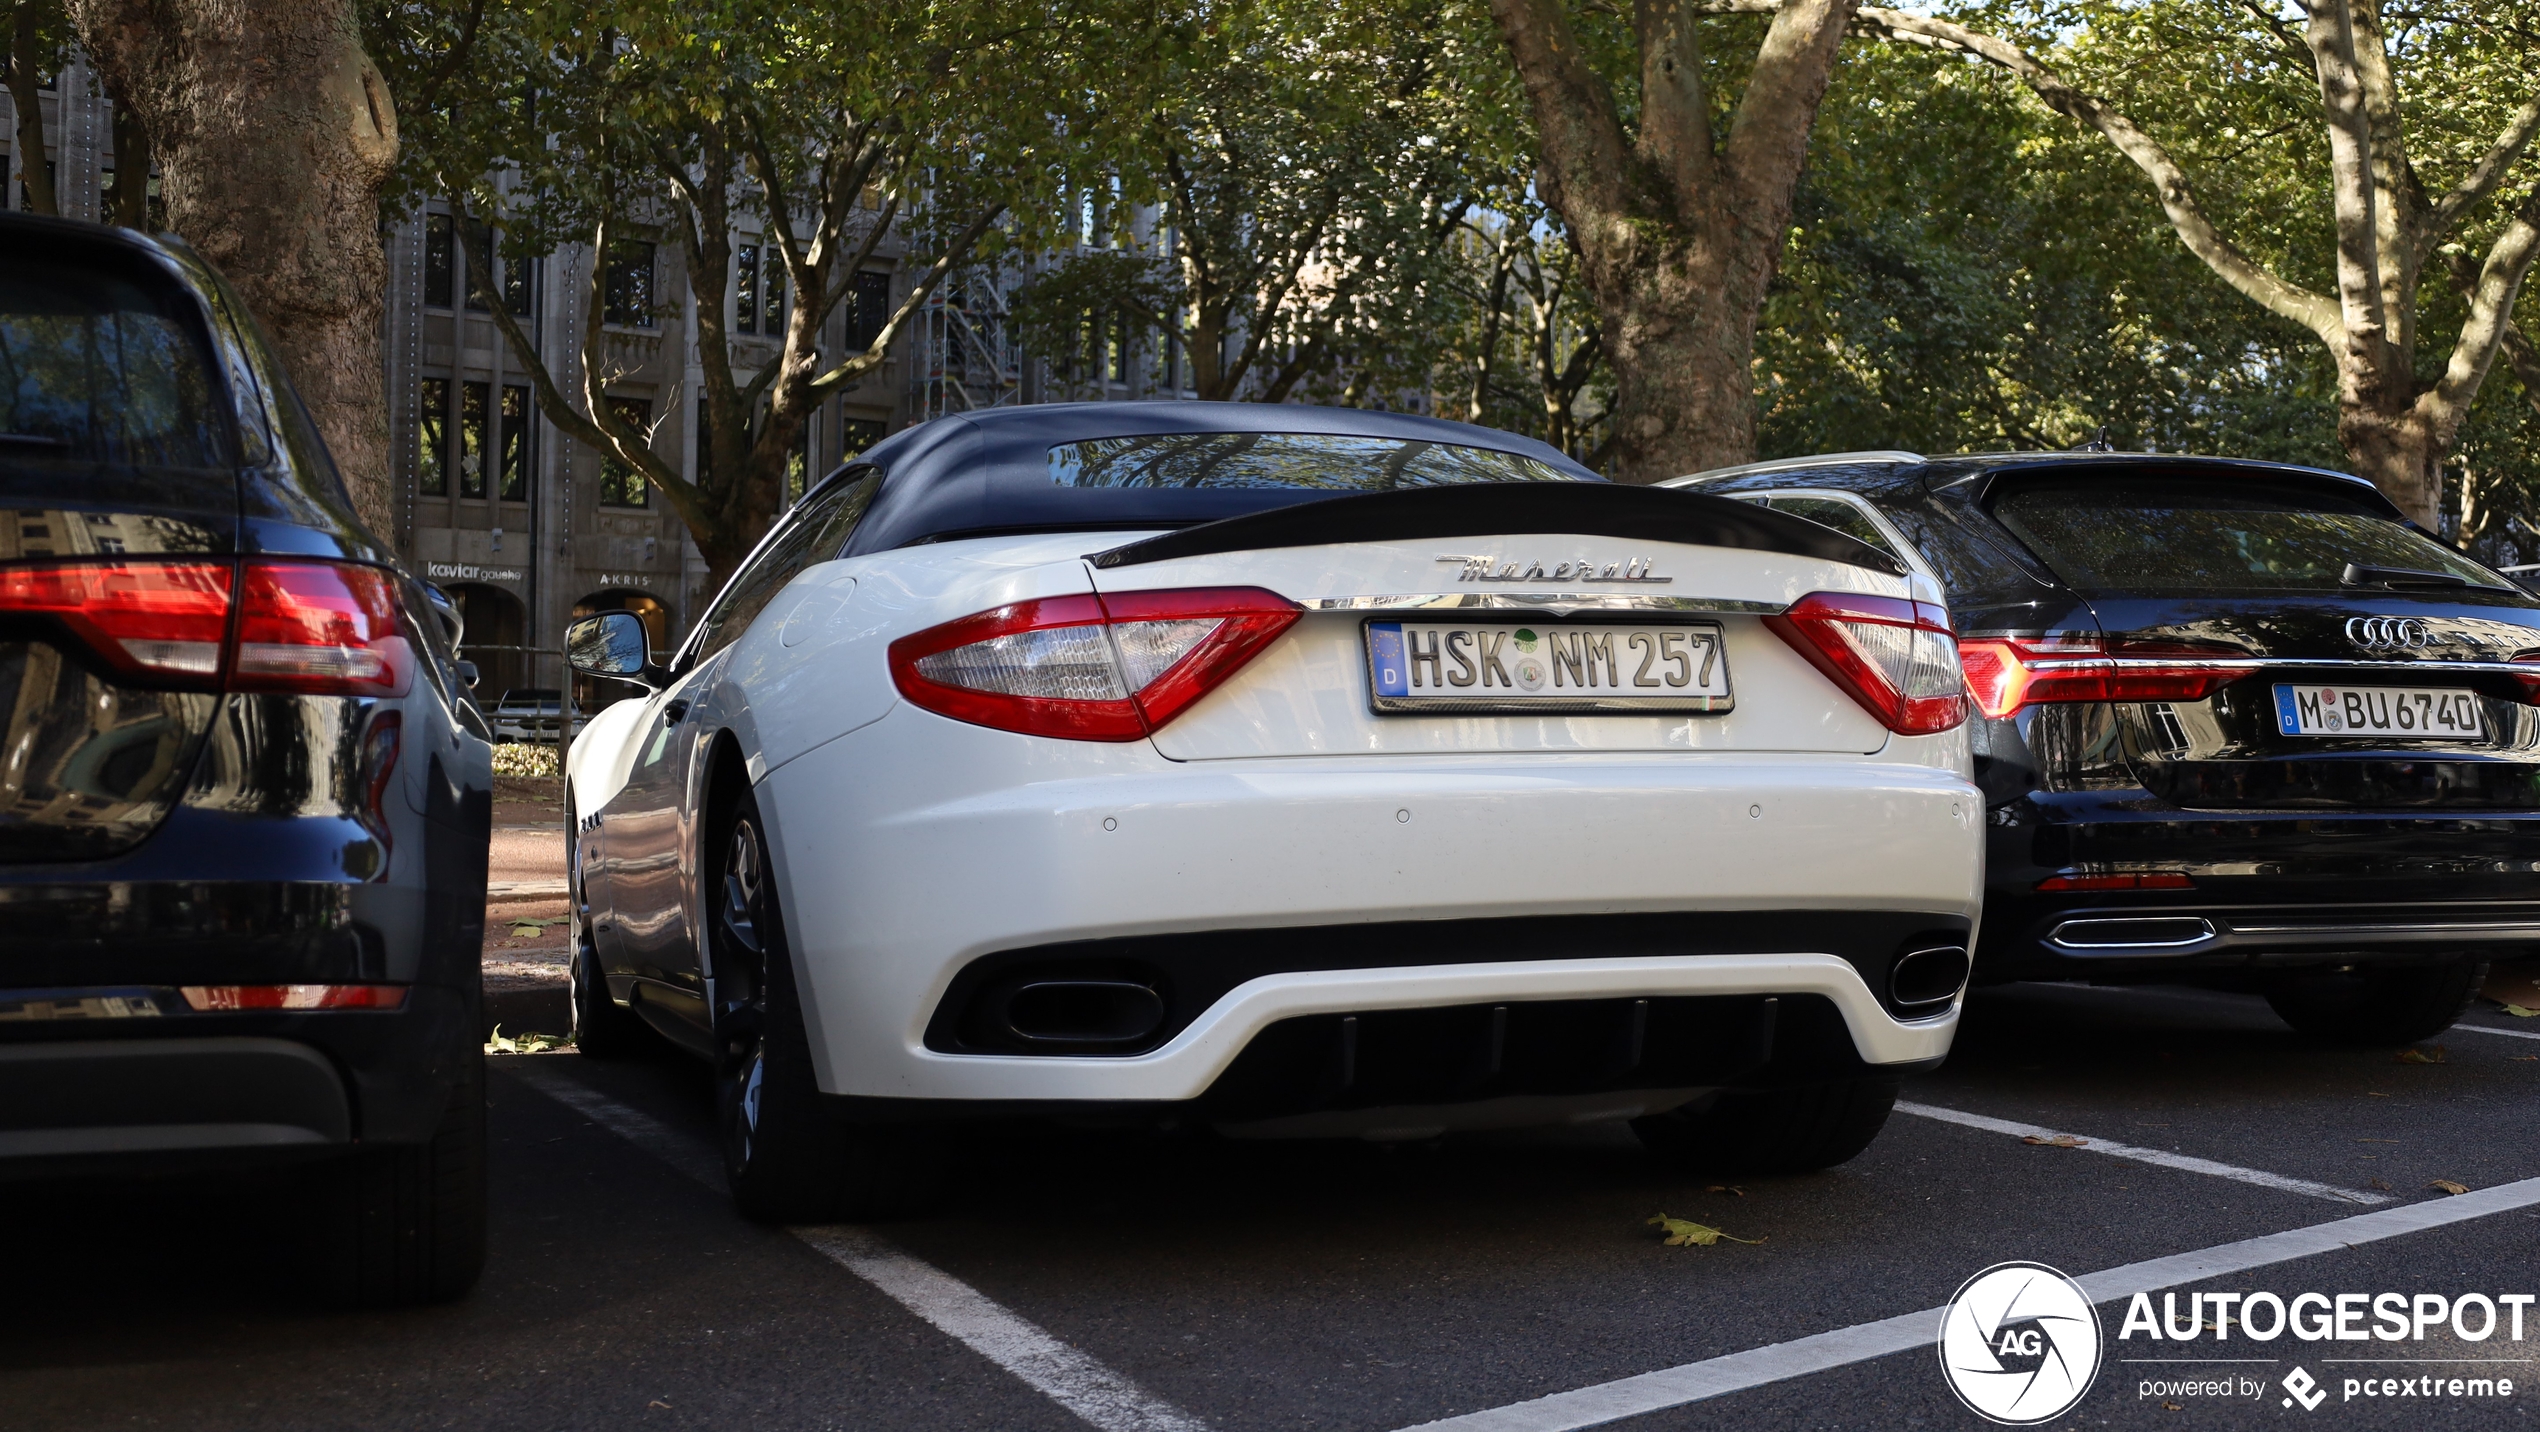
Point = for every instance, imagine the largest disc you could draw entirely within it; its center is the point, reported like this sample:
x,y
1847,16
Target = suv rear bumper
x,y
74,1099
2033,939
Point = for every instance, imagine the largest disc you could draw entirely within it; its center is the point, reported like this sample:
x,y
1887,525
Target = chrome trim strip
x,y
2467,930
2205,926
2262,663
1542,601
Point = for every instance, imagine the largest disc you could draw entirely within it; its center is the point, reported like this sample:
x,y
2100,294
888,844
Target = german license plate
x,y
2413,714
1547,667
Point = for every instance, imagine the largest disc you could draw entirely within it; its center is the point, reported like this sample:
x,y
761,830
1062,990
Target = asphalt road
x,y
1255,1286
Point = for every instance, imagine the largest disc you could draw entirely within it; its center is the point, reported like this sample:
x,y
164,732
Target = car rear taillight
x,y
214,999
1088,668
1897,658
163,621
2121,880
325,628
2005,675
321,628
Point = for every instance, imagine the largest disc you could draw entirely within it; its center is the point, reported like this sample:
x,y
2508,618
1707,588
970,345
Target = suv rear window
x,y
95,368
1321,462
2108,534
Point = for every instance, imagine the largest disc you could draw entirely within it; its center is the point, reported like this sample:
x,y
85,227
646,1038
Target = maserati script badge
x,y
1491,569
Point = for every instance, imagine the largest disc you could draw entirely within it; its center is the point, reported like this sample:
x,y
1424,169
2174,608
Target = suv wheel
x,y
786,1157
1795,1130
2398,1006
398,1225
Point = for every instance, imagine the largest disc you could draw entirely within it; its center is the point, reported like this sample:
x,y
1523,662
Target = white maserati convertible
x,y
1287,771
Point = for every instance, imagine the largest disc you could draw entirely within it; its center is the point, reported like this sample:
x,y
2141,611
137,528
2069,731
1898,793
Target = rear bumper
x,y
89,1100
894,885
2272,889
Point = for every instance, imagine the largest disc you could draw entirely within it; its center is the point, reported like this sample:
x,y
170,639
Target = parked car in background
x,y
245,803
2243,725
1287,770
528,713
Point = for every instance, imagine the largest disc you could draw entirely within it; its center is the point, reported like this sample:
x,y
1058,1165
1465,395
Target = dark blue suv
x,y
2243,724
244,796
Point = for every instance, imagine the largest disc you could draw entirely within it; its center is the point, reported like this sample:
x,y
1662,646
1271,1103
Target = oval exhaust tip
x,y
1081,1012
1924,978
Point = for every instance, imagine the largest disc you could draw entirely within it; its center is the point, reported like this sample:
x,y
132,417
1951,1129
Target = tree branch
x,y
1581,135
1675,107
2178,199
2483,177
1768,138
2354,185
2491,307
871,358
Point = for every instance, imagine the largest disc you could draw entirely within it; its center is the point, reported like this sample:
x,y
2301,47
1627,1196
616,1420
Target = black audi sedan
x,y
2243,724
244,797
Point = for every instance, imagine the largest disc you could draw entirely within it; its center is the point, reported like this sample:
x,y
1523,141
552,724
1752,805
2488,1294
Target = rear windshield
x,y
2126,535
1308,461
97,369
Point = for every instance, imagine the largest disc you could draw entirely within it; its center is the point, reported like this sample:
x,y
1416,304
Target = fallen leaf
x,y
2055,1141
2448,1186
1683,1233
1726,1188
2172,1407
2377,1183
2521,1058
657,1402
2375,1094
2522,1011
2430,1054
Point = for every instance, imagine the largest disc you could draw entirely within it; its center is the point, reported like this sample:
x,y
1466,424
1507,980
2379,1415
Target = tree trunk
x,y
273,133
1678,229
129,205
28,54
2398,452
1682,342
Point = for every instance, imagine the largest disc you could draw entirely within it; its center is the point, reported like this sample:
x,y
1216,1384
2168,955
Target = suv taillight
x,y
322,628
2007,674
1897,658
1088,668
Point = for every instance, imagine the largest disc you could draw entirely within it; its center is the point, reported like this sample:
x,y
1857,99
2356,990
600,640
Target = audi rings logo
x,y
2389,633
2019,1344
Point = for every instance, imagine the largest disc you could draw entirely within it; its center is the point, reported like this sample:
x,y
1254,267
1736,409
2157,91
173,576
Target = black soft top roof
x,y
978,474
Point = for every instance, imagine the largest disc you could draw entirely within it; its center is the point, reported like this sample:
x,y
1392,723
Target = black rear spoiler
x,y
1496,509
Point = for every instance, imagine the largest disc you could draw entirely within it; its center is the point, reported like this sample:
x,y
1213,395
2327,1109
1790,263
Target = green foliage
x,y
1311,164
1969,271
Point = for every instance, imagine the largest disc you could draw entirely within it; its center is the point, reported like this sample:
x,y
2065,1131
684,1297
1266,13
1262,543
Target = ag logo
x,y
2019,1343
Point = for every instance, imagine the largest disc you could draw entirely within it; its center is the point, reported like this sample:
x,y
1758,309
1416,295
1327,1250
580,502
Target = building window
x,y
871,308
620,484
628,296
772,294
480,262
473,444
515,456
857,434
432,439
745,289
438,253
519,276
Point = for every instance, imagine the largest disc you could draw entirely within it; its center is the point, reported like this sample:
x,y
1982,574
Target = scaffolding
x,y
963,356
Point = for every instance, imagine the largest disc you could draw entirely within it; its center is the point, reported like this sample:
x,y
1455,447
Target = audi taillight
x,y
1895,657
165,622
2007,674
1088,668
321,628
221,999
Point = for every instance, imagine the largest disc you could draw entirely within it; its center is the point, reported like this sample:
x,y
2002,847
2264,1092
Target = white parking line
x,y
1694,1381
2491,1029
1070,1378
2161,1157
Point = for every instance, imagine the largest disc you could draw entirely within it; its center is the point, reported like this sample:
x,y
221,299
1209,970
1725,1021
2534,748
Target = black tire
x,y
786,1156
2398,1006
404,1224
1769,1131
602,1028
